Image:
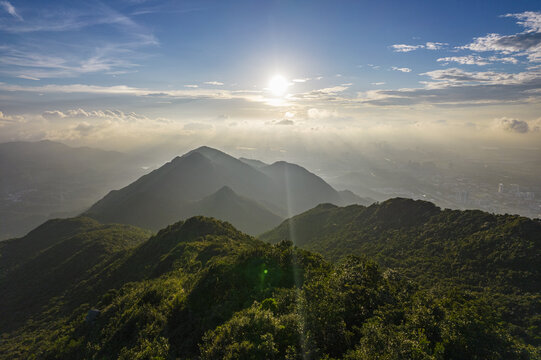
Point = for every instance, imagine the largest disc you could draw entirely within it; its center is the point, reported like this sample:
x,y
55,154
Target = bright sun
x,y
278,85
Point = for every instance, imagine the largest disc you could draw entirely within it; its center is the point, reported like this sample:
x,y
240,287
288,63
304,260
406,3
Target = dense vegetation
x,y
494,257
202,289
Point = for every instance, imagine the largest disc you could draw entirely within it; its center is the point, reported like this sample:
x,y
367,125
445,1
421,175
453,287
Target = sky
x,y
272,75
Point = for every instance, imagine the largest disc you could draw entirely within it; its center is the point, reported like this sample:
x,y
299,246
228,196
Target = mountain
x,y
45,179
495,254
168,193
247,215
200,289
58,254
253,162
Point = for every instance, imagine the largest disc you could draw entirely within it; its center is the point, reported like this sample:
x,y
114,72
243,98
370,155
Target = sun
x,y
278,85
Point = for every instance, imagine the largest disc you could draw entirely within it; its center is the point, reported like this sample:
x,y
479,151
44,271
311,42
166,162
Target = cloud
x,y
216,83
10,9
466,60
193,86
452,76
109,115
434,45
197,126
428,46
50,57
530,20
402,69
27,77
513,125
67,62
192,93
285,122
406,48
378,83
8,120
526,43
318,114
302,80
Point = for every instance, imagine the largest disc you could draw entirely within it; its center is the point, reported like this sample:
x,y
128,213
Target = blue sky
x,y
82,71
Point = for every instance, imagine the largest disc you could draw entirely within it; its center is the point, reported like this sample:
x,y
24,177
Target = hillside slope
x,y
478,251
200,289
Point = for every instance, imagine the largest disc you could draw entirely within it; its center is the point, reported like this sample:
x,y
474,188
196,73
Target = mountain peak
x,y
209,152
405,211
225,190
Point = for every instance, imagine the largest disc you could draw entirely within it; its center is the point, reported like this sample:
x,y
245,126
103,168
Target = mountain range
x,y
45,179
200,289
252,195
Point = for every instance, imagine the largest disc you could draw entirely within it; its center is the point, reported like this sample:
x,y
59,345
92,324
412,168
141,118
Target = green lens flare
x,y
265,271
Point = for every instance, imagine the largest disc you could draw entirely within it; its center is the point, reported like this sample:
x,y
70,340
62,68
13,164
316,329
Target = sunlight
x,y
278,85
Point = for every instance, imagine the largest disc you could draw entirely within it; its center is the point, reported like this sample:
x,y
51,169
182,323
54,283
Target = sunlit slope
x,y
494,255
417,237
168,193
200,289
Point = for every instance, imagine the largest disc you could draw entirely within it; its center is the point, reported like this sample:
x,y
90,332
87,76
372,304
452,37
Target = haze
x,y
382,98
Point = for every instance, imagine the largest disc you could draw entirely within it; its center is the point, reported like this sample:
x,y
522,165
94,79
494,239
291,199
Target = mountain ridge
x,y
168,193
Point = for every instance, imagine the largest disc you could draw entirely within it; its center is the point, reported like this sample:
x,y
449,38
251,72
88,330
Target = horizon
x,y
266,75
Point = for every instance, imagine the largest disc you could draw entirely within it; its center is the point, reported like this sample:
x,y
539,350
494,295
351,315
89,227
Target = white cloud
x,y
192,86
466,60
434,45
8,119
319,114
526,43
27,77
216,83
406,48
378,83
402,69
110,115
428,46
530,20
10,9
285,122
301,80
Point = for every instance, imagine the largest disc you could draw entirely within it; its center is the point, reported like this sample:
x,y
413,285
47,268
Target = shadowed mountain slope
x,y
168,193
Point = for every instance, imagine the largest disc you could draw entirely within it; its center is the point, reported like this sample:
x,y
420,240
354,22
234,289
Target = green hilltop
x,y
201,289
492,256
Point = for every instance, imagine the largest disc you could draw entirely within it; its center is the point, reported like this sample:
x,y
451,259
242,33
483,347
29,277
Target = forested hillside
x,y
200,289
494,255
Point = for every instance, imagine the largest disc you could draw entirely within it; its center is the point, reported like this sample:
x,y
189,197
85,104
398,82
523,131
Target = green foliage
x,y
494,257
199,289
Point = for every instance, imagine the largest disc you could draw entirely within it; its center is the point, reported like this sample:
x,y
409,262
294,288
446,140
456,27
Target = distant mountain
x,y
169,193
247,215
45,179
255,163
